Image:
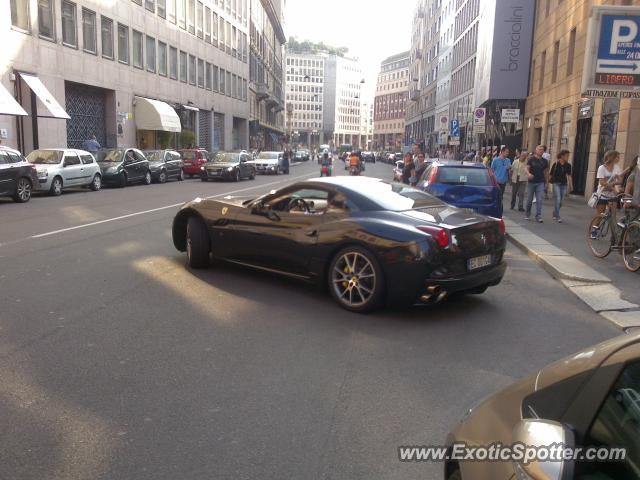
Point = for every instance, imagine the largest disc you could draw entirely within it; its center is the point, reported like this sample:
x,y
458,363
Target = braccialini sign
x,y
612,56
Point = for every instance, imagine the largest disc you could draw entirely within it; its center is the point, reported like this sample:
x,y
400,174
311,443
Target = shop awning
x,y
189,107
50,103
8,104
156,115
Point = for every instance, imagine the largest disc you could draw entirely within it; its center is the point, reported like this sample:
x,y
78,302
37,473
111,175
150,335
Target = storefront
x,y
157,123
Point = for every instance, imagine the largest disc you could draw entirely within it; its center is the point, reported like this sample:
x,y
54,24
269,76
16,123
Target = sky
x,y
372,29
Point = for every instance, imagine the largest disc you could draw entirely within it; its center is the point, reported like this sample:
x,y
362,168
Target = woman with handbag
x,y
609,177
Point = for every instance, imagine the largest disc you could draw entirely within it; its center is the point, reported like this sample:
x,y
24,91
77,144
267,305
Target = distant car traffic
x,y
464,185
371,242
18,178
369,157
301,156
588,399
229,166
123,166
194,159
165,165
60,168
272,163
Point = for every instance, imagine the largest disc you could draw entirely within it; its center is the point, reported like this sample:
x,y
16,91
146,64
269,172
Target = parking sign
x,y
455,127
612,60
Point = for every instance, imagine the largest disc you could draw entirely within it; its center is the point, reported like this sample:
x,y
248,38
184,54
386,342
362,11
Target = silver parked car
x,y
60,168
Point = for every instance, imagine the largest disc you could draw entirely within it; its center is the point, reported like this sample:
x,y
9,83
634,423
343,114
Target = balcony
x,y
262,91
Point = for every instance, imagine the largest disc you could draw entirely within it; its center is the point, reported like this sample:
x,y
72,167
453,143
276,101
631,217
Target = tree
x,y
312,47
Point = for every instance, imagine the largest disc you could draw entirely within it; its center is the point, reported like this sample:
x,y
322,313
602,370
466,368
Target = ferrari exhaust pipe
x,y
433,294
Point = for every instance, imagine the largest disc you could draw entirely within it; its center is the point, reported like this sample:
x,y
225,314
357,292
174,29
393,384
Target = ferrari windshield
x,y
398,197
223,157
45,157
109,155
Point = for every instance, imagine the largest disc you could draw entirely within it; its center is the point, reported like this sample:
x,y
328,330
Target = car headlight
x,y
202,169
271,167
43,173
229,169
112,170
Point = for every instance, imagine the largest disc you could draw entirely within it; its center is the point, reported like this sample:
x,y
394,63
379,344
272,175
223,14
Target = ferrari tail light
x,y
440,235
503,227
493,178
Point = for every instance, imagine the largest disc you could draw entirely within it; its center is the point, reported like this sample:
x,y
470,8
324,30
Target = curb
x,y
593,288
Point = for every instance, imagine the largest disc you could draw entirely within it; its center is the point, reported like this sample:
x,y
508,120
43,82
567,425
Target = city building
x,y
266,100
349,106
390,100
146,73
556,113
463,72
305,92
421,110
443,86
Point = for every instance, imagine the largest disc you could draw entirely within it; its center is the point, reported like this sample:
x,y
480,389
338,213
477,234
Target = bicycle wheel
x,y
631,247
600,236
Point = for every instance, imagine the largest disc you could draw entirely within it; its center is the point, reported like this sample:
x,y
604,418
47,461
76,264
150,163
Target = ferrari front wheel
x,y
198,245
355,280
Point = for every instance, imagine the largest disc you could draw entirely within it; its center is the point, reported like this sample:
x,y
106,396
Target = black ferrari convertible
x,y
371,242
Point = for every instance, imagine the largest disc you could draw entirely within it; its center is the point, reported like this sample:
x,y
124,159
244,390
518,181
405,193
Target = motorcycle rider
x,y
354,163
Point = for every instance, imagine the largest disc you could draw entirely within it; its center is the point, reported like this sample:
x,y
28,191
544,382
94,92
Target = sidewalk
x,y
561,248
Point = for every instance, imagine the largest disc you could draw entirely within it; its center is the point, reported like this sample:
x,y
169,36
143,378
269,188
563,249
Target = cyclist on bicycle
x,y
633,186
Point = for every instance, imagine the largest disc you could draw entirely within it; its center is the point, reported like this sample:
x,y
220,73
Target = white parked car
x,y
60,168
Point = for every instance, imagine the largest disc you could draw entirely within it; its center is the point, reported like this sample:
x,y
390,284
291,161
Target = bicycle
x,y
606,234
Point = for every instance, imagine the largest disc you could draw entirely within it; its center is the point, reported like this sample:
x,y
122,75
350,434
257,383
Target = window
x,y
162,58
208,76
617,425
69,29
192,70
45,19
191,14
554,66
139,2
199,19
227,37
216,76
221,32
207,25
201,73
214,32
183,67
20,14
89,41
572,51
71,159
106,29
171,10
87,159
542,62
162,8
223,76
234,46
244,90
123,43
150,5
234,85
173,63
551,132
566,125
228,84
182,14
137,49
151,54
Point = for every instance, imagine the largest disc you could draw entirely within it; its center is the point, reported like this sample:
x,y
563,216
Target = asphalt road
x,y
116,362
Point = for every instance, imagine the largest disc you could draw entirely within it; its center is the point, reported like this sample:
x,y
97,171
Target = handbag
x,y
593,200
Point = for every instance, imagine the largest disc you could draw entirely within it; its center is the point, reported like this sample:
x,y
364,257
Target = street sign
x,y
479,120
443,137
612,58
444,123
455,127
510,115
454,141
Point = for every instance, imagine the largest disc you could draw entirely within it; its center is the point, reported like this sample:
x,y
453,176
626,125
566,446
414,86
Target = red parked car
x,y
194,159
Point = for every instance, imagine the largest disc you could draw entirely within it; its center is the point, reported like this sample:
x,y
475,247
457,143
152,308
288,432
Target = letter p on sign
x,y
623,31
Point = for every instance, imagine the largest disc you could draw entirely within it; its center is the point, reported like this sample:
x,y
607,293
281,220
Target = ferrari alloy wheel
x,y
356,280
197,243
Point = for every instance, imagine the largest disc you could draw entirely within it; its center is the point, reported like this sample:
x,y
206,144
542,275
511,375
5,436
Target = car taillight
x,y
503,227
440,235
493,178
433,175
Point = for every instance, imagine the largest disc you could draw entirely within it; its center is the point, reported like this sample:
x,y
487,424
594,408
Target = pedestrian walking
x,y
560,178
91,145
519,180
501,166
538,175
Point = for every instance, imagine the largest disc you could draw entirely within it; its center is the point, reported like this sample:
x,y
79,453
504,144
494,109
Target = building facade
x,y
305,92
146,73
349,106
266,92
392,90
556,113
443,86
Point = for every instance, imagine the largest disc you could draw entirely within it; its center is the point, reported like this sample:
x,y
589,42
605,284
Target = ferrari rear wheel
x,y
355,280
197,243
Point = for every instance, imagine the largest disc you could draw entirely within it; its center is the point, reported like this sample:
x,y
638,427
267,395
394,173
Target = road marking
x,y
166,207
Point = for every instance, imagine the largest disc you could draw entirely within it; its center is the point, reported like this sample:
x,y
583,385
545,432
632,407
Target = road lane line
x,y
166,207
